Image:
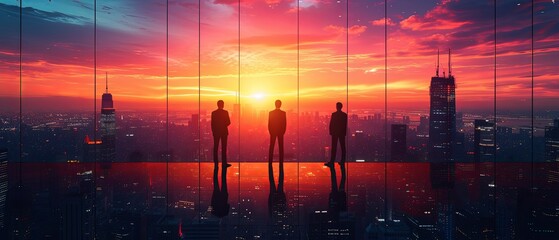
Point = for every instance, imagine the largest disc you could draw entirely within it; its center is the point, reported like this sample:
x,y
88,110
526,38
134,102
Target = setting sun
x,y
258,96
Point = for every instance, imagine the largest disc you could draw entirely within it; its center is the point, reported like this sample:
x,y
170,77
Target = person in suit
x,y
220,121
338,130
277,124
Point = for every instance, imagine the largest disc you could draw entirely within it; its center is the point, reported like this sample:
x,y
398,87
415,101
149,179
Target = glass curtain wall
x,y
110,115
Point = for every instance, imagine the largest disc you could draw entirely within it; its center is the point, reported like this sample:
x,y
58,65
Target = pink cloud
x,y
357,29
380,22
353,30
439,18
419,24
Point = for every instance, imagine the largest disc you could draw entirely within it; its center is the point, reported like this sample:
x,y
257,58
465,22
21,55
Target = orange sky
x,y
131,48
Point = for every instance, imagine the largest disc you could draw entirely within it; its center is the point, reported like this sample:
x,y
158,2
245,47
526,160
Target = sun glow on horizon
x,y
258,96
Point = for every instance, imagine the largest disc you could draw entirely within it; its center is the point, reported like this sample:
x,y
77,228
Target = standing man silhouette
x,y
338,130
220,122
277,124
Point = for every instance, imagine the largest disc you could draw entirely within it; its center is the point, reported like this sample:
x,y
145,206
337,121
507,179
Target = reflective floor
x,y
370,201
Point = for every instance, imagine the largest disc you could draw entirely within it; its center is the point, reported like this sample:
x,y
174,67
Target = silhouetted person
x,y
338,130
220,197
220,122
277,124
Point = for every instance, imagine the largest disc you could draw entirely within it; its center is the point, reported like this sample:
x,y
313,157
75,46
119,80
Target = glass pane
x,y
514,121
545,199
184,141
439,70
219,185
323,130
132,128
9,78
57,115
268,196
9,115
365,172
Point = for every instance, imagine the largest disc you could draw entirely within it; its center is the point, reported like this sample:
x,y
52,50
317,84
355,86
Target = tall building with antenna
x,y
442,115
108,125
442,136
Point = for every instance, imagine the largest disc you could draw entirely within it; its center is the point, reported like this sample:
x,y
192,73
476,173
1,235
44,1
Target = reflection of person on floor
x,y
277,202
277,125
337,200
338,130
220,121
220,197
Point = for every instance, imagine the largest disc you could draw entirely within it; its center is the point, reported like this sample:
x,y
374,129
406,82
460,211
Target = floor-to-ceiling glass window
x,y
56,89
439,82
365,177
514,175
545,171
132,177
219,77
324,116
153,119
183,109
269,200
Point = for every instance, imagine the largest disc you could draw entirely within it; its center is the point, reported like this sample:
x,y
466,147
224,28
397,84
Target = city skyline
x,y
58,69
109,127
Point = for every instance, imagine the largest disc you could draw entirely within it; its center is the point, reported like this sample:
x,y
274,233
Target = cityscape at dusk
x,y
173,119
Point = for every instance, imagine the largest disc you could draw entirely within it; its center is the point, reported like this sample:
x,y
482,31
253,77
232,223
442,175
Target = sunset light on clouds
x,y
58,52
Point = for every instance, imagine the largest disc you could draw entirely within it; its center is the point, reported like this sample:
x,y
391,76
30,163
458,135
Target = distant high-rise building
x,y
423,127
442,117
398,142
459,120
91,149
552,142
108,126
72,215
484,140
194,123
3,185
406,120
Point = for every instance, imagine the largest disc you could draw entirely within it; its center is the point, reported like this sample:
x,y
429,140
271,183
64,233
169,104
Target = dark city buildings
x,y
398,142
552,142
442,117
3,186
484,140
91,149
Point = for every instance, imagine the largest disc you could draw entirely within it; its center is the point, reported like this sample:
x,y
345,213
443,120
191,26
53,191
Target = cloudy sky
x,y
204,38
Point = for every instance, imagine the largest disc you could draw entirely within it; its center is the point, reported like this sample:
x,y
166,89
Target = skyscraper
x,y
442,116
398,142
108,126
484,140
72,215
423,127
91,149
442,131
552,142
